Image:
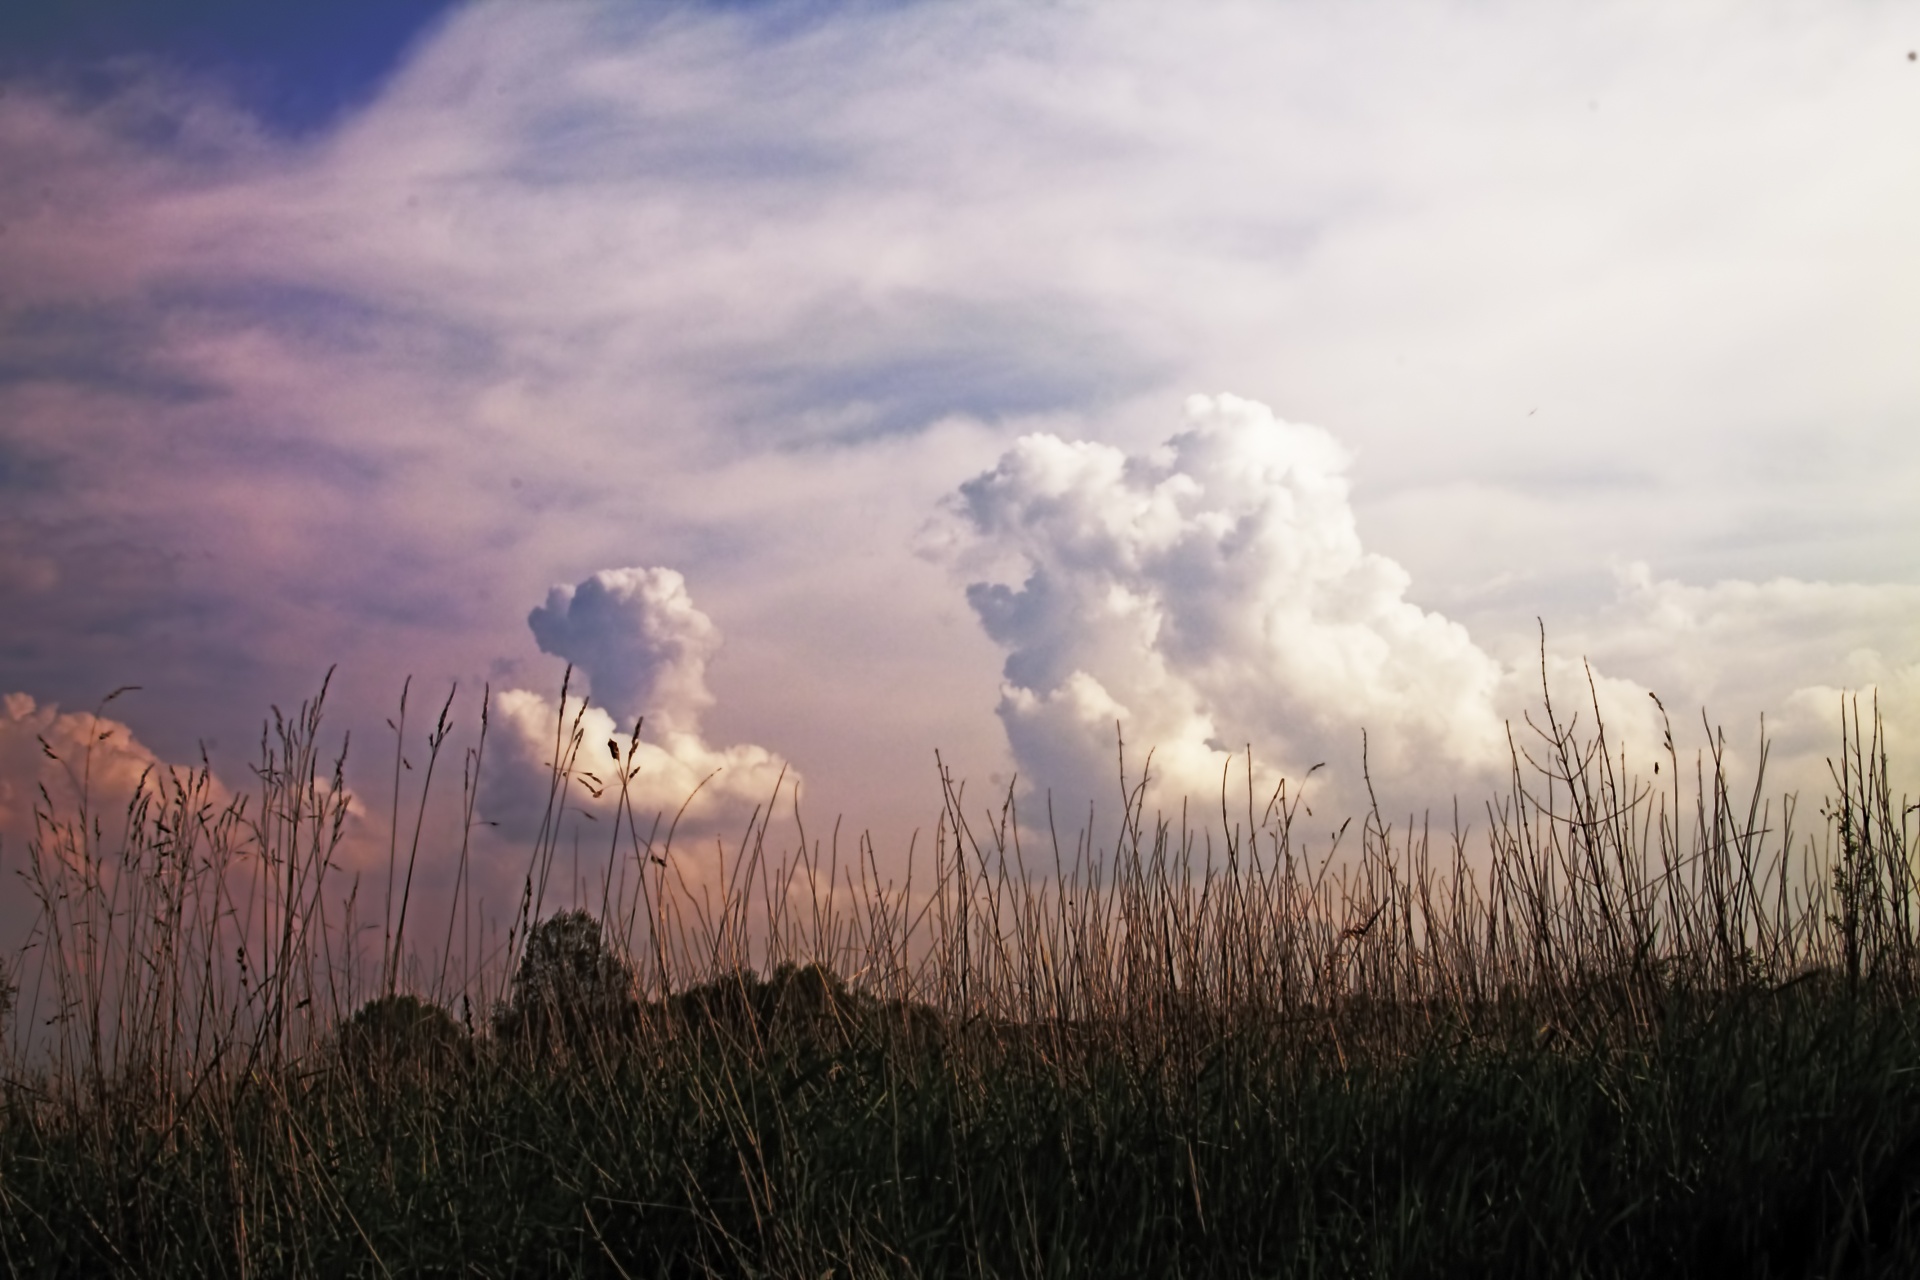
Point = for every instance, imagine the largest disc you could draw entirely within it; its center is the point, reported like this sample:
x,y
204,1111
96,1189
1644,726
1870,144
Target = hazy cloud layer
x,y
747,290
1786,650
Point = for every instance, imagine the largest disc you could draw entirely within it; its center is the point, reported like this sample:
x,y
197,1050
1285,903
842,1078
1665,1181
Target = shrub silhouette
x,y
799,1004
9,989
571,988
400,1033
744,1003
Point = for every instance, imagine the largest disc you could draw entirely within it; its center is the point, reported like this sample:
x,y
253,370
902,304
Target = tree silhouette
x,y
400,1033
570,989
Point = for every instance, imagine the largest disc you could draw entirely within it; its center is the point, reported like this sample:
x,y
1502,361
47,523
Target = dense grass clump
x,y
1623,1038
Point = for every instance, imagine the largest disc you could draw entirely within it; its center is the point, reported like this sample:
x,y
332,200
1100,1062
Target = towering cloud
x,y
1214,594
642,647
640,641
1207,595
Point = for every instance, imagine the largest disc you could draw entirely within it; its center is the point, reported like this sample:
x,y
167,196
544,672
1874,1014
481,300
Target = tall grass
x,y
1628,1028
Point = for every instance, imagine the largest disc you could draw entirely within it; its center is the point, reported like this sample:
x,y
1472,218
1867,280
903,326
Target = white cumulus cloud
x,y
1214,593
1211,594
56,766
64,755
643,648
639,640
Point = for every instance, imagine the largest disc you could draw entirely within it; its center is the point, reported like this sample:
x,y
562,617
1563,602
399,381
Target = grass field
x,y
1629,1030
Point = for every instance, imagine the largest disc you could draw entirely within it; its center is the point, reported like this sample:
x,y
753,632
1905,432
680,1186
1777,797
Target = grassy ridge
x,y
1626,1037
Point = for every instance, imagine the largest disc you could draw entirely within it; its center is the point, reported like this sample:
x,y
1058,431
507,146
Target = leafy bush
x,y
800,1005
570,990
401,1034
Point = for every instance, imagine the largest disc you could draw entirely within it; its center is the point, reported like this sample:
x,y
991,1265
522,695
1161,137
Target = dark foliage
x,y
571,990
402,1034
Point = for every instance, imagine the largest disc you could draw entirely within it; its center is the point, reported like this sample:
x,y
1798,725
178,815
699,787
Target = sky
x,y
834,384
